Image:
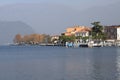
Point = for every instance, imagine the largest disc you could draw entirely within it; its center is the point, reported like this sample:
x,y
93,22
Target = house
x,y
82,33
55,39
78,31
112,32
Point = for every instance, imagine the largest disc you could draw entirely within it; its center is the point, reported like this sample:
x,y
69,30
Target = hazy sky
x,y
54,16
72,3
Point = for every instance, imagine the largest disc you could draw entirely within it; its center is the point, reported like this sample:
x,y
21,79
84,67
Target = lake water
x,y
59,63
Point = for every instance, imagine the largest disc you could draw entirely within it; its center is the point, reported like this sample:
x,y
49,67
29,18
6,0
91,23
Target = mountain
x,y
44,18
54,18
8,30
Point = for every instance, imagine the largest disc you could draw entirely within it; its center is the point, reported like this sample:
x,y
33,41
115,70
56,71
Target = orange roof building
x,y
76,29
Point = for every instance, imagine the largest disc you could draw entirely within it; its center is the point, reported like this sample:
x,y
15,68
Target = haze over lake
x,y
8,30
30,19
53,17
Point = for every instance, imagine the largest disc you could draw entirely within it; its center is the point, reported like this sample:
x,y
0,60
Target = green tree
x,y
78,37
65,39
97,31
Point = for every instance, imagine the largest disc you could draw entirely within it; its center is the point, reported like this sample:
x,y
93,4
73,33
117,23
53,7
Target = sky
x,y
71,3
54,16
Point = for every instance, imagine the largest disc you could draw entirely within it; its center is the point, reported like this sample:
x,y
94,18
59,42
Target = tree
x,y
18,39
79,37
97,31
65,39
46,38
32,39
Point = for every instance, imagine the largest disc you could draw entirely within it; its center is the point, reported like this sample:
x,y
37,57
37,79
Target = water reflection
x,y
60,63
103,61
78,65
118,64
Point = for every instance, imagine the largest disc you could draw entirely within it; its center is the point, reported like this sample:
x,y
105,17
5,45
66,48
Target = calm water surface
x,y
59,63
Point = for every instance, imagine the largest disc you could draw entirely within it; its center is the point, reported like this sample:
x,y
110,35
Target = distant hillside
x,y
8,29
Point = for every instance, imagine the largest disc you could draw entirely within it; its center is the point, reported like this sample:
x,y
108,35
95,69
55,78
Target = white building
x,y
82,33
118,33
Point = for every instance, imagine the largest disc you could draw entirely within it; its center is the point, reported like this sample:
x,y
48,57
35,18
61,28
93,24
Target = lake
x,y
59,63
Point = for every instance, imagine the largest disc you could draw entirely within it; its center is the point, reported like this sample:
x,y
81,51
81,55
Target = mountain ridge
x,y
46,18
8,30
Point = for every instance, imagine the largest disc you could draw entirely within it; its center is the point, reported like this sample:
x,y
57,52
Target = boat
x,y
97,45
83,45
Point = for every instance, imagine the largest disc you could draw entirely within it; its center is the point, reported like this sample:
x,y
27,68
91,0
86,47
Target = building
x,y
78,31
55,39
82,33
112,32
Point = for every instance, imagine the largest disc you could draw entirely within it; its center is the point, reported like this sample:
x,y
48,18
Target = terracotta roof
x,y
75,29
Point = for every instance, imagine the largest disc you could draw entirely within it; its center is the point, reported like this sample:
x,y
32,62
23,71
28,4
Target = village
x,y
76,36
